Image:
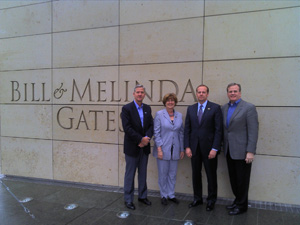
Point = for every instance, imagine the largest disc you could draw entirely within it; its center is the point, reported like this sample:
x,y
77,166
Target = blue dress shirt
x,y
203,106
231,108
140,111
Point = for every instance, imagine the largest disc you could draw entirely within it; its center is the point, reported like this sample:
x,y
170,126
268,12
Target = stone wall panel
x,y
26,157
226,33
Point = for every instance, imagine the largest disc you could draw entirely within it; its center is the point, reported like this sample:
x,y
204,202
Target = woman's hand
x,y
160,154
181,155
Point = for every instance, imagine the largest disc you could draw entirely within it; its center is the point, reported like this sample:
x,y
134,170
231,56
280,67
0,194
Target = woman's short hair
x,y
170,96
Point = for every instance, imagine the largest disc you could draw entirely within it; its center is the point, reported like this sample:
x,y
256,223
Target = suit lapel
x,y
175,115
194,112
136,114
166,115
225,112
206,111
236,111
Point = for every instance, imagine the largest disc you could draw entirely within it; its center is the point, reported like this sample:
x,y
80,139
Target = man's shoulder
x,y
194,105
146,106
225,104
212,104
247,104
129,104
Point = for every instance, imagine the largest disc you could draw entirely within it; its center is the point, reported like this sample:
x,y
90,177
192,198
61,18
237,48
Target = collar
x,y
165,111
137,106
204,105
235,103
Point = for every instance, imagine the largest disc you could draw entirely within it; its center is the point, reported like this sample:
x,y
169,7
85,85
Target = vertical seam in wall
x,y
52,142
203,25
1,105
119,56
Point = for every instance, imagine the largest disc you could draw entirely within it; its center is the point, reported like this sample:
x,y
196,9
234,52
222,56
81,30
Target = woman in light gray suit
x,y
168,147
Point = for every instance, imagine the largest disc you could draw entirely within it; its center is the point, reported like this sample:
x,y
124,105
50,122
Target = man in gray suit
x,y
240,137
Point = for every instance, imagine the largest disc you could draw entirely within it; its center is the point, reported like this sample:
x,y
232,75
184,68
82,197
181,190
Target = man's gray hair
x,y
232,84
139,86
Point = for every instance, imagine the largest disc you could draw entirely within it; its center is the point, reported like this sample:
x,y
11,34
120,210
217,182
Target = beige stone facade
x,y
67,68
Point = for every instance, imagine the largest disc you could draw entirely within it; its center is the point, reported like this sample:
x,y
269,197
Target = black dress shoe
x,y
210,206
164,201
130,205
236,211
195,203
232,206
174,200
145,201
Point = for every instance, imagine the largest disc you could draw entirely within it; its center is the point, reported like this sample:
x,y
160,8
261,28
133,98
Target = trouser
x,y
132,163
239,174
210,166
167,170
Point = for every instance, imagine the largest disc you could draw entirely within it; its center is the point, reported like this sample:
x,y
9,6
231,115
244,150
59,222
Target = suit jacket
x,y
209,133
242,133
134,131
168,134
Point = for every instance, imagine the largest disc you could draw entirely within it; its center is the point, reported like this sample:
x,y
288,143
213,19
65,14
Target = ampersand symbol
x,y
58,93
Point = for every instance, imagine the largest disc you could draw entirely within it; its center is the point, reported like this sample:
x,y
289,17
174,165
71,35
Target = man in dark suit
x,y
202,142
137,123
240,138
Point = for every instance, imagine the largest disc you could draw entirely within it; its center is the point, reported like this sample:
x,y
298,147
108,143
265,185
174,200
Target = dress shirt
x,y
231,108
140,111
203,106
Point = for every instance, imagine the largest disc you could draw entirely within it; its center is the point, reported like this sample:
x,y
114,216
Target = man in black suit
x,y
202,142
137,123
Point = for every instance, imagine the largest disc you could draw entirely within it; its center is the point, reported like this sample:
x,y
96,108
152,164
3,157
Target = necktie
x,y
200,113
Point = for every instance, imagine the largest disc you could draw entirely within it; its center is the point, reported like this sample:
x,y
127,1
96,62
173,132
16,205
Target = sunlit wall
x,y
67,68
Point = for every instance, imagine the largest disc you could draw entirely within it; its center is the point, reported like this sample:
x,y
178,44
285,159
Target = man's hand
x,y
212,154
188,152
144,142
249,157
